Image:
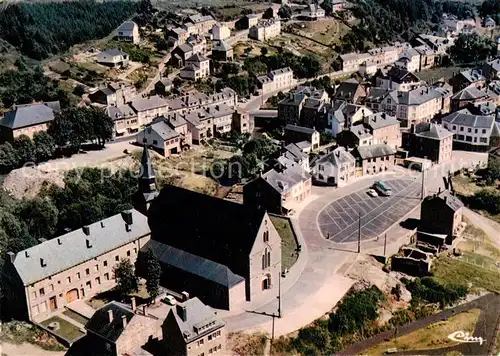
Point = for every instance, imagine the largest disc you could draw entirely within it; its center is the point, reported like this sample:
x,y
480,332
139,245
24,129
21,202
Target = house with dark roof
x,y
337,167
239,237
470,77
44,278
491,69
27,120
124,119
222,51
469,95
197,67
116,329
193,328
294,134
373,159
448,208
113,57
472,132
161,136
430,141
341,115
180,54
114,94
280,189
163,86
128,32
351,91
396,78
354,136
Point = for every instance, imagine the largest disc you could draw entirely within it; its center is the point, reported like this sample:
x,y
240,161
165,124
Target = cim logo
x,y
465,337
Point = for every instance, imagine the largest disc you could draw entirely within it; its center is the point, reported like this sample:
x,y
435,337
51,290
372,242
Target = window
x,y
68,280
128,253
475,130
117,258
89,285
106,276
98,280
475,139
51,287
266,236
484,131
42,292
468,138
483,140
266,259
200,342
469,130
77,275
155,142
460,137
461,129
105,263
33,295
454,127
87,271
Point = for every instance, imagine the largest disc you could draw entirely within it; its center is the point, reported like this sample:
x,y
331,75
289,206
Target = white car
x,y
170,300
372,193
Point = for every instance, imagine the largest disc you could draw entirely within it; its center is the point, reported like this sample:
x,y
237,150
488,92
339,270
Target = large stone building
x,y
27,120
44,278
335,168
265,30
429,141
373,159
275,80
149,108
223,252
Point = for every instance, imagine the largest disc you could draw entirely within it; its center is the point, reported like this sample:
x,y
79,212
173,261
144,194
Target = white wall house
x,y
336,168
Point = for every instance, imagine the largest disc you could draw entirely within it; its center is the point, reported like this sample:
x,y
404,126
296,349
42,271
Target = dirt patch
x,y
247,344
21,333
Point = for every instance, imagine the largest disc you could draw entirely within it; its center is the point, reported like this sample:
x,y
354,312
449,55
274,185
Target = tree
x,y
25,149
472,48
8,157
40,216
264,51
45,146
148,266
493,172
126,281
79,90
268,14
285,12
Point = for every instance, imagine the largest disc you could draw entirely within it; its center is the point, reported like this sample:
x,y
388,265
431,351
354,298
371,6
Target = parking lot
x,y
339,220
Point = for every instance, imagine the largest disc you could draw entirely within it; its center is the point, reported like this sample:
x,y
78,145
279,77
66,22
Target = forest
x,y
39,30
385,21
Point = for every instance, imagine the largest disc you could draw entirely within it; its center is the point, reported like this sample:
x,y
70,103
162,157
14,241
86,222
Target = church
x,y
222,252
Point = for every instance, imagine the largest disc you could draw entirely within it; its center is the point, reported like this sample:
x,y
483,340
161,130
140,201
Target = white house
x,y
128,32
335,168
473,132
220,32
113,58
343,114
313,12
409,60
197,67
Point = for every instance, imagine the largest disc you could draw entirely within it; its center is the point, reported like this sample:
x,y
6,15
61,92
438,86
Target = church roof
x,y
147,171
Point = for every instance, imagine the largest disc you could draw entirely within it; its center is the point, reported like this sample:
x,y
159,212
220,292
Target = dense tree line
x,y
24,85
70,129
429,290
39,30
472,48
384,21
490,7
302,66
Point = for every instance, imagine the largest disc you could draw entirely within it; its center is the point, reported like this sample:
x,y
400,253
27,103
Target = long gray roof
x,y
193,264
417,96
380,120
164,130
283,181
436,132
127,26
372,151
29,115
71,249
337,157
469,93
462,118
143,104
301,129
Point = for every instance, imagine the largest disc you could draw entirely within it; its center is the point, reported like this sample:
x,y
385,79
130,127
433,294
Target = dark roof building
x,y
351,91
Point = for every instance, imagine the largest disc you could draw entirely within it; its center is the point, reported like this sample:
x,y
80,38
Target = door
x,y
53,303
72,295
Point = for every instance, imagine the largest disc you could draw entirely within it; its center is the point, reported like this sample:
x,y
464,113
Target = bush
x,y
314,335
400,317
428,289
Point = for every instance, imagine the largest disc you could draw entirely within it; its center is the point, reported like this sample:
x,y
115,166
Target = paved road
x,y
316,283
485,328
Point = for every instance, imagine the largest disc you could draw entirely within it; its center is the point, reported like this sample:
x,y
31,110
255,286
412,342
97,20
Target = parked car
x,y
170,300
372,193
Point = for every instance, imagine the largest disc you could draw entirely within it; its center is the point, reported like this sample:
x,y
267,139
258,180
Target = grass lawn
x,y
434,336
437,73
289,254
450,270
247,344
66,330
76,317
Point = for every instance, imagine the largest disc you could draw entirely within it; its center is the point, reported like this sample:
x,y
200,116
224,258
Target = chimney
x,y
59,242
124,321
185,296
110,316
42,262
88,243
133,304
26,254
439,190
127,217
444,198
12,256
127,227
182,312
86,230
102,224
144,307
